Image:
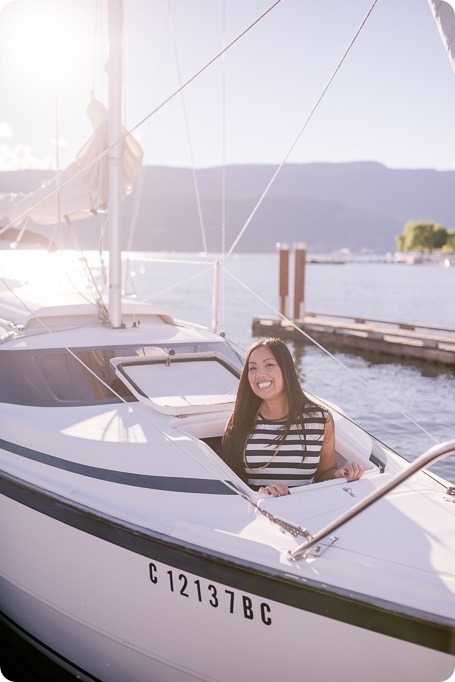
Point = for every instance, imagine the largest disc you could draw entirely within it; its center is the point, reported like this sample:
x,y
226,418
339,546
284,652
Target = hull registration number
x,y
213,596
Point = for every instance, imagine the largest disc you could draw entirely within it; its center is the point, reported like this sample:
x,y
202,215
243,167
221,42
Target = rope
x,y
98,298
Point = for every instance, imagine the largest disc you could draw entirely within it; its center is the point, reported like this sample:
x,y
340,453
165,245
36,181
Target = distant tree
x,y
440,236
421,236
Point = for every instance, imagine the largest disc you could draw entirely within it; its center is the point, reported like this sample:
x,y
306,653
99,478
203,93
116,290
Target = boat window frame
x,y
22,381
167,359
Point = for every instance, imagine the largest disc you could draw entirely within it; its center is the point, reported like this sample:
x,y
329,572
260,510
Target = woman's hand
x,y
351,471
275,489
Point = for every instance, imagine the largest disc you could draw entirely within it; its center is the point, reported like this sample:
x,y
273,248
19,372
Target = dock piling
x,y
299,281
283,252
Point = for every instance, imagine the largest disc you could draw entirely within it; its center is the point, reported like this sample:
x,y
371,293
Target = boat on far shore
x,y
424,258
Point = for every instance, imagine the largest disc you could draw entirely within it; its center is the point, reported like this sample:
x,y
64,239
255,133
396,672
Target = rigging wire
x,y
188,136
223,169
140,182
223,142
291,323
58,225
98,299
93,286
95,31
150,114
299,135
58,232
206,66
209,268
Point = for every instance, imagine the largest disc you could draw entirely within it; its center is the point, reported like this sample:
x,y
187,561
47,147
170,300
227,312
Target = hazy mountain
x,y
328,206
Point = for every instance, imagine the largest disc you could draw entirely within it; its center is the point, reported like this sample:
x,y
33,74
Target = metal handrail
x,y
428,457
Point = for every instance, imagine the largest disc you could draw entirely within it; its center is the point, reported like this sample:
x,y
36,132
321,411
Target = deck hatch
x,y
180,384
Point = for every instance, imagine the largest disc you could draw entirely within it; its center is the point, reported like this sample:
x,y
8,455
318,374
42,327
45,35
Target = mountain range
x,y
360,206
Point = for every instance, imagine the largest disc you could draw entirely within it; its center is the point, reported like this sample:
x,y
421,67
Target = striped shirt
x,y
296,461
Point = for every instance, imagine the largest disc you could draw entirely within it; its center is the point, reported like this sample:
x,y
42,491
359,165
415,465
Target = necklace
x,y
276,451
264,466
274,419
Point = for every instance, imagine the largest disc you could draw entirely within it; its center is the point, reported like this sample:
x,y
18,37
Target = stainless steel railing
x,y
428,457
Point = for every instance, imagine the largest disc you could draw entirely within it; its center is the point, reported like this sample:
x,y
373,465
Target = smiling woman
x,y
277,437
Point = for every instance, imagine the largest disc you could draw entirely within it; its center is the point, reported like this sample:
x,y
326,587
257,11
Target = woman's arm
x,y
327,468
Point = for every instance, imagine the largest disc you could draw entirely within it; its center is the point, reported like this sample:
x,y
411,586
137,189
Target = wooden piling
x,y
299,281
283,252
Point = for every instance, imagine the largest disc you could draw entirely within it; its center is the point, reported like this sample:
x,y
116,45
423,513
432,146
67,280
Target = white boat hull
x,y
130,551
113,608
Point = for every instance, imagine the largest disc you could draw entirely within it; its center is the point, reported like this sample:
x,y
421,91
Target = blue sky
x,y
392,101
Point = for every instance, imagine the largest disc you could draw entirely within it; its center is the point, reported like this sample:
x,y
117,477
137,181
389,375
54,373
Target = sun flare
x,y
44,38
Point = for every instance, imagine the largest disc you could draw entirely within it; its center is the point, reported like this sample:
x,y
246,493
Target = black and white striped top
x,y
297,459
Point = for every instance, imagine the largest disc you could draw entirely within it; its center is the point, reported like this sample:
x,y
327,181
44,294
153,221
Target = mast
x,y
115,77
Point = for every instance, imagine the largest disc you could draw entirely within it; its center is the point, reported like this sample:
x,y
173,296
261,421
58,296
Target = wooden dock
x,y
334,331
400,339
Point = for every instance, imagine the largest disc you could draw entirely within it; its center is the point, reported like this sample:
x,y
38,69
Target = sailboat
x,y
130,550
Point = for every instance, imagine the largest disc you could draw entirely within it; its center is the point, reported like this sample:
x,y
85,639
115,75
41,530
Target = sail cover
x,y
84,184
444,14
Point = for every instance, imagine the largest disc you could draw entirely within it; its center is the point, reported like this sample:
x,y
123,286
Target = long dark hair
x,y
247,404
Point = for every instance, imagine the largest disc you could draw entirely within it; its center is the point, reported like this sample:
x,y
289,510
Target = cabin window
x,y
77,379
54,377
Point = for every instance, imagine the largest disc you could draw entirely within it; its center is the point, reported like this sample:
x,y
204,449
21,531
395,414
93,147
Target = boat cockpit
x,y
193,385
